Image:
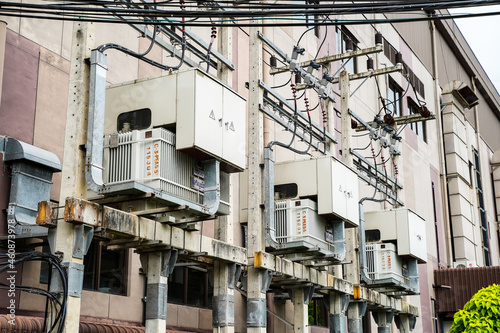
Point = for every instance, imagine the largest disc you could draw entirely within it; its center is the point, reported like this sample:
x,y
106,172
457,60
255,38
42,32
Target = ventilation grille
x,y
153,161
281,219
370,261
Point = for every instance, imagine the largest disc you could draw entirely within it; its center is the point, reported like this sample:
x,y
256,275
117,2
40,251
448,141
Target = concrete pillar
x,y
74,185
301,301
158,266
225,277
338,307
383,320
355,312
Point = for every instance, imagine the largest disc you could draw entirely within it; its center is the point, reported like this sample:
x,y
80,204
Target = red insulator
x,y
389,119
424,111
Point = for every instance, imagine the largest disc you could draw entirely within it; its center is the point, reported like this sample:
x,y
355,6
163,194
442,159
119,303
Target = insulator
x,y
354,124
378,38
389,119
399,58
424,111
348,45
369,64
298,78
273,61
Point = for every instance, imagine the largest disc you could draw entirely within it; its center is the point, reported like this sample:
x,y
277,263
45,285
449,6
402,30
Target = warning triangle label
x,y
212,115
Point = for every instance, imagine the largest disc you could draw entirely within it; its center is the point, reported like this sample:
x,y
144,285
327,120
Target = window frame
x,y
96,269
419,127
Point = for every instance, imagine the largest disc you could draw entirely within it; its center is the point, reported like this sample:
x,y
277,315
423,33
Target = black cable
x,y
282,85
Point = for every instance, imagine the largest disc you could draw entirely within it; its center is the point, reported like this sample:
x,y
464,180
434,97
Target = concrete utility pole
x,y
224,273
256,302
351,270
73,174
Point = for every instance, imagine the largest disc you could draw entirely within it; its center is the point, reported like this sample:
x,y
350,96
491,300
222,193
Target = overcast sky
x,y
483,36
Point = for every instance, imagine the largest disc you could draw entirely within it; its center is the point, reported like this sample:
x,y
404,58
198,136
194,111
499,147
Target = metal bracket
x,y
345,302
308,294
74,280
267,277
82,235
168,260
233,275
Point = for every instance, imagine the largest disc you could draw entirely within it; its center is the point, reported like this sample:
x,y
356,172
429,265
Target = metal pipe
x,y
3,36
95,128
269,198
363,267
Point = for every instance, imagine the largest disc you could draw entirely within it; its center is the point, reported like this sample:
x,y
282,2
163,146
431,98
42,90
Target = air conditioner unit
x,y
208,117
384,263
149,157
464,264
298,221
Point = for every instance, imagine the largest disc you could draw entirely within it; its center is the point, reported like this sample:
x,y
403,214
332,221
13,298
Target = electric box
x,y
298,220
403,226
333,183
208,117
384,263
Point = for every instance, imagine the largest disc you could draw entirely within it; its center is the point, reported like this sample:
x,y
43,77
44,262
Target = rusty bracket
x,y
48,213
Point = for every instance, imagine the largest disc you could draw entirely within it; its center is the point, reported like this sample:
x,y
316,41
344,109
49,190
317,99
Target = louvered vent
x,y
150,157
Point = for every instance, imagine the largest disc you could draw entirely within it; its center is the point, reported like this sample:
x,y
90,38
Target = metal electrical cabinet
x,y
208,118
333,183
403,226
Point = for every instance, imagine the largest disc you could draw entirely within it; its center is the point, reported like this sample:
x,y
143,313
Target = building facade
x,y
426,142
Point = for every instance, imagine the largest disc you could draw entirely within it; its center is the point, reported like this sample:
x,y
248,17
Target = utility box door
x,y
337,190
199,121
233,128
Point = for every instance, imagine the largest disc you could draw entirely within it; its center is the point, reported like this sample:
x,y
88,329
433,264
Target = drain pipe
x,y
269,198
363,268
95,128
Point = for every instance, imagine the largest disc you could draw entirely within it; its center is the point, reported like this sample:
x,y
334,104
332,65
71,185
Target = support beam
x,y
329,59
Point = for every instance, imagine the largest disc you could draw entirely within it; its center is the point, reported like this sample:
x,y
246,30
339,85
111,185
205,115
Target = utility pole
x,y
351,269
256,302
224,273
73,174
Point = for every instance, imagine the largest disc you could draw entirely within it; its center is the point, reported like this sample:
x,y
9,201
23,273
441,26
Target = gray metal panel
x,y
29,185
18,150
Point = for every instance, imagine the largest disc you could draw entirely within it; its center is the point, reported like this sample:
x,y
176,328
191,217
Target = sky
x,y
483,36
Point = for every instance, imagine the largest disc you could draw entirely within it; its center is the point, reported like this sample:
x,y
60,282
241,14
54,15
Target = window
x,y
105,270
318,312
417,127
133,120
343,36
394,99
485,235
189,284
